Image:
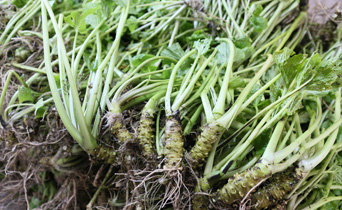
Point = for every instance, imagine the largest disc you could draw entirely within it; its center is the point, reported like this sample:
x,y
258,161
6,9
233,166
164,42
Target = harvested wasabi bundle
x,y
167,104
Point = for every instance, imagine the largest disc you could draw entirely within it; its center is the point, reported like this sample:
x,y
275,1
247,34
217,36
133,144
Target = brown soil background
x,y
321,11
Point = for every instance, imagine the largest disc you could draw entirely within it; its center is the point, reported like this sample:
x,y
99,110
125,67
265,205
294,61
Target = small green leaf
x,y
259,23
243,42
25,94
289,66
132,23
199,34
281,56
138,59
35,203
175,51
222,53
57,80
328,75
40,109
92,20
309,69
261,141
202,46
236,82
122,3
106,7
72,19
258,10
78,21
243,54
338,175
19,3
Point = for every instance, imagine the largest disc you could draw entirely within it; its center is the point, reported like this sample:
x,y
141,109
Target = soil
x,y
321,11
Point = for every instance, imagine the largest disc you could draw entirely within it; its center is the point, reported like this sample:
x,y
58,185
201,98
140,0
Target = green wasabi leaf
x,y
202,46
275,93
19,3
281,56
107,7
261,141
175,51
222,53
289,66
138,59
328,75
78,21
258,10
92,20
236,82
132,23
122,3
40,109
199,34
309,69
259,23
243,42
243,54
25,94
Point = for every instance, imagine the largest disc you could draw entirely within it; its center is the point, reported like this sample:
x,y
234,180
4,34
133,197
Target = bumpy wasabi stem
x,y
210,133
276,188
145,132
240,184
105,154
173,150
119,129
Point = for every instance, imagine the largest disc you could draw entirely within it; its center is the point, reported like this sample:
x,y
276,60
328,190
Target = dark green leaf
x,y
259,23
19,3
289,67
243,42
261,141
40,109
258,10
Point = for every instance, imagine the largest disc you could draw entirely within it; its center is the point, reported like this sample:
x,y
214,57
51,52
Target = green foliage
x,y
259,23
25,94
325,74
78,21
19,3
132,23
222,53
243,49
236,82
40,109
202,46
140,58
175,51
260,143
